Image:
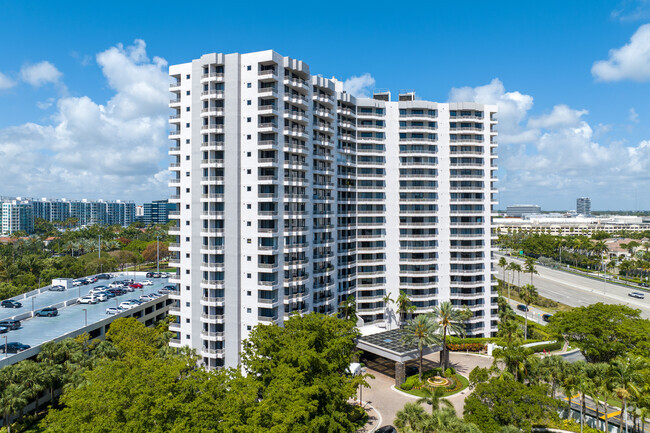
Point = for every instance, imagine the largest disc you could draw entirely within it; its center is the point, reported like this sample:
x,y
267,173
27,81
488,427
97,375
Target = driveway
x,y
388,402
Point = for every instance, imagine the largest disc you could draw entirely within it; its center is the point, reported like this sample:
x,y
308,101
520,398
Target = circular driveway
x,y
388,401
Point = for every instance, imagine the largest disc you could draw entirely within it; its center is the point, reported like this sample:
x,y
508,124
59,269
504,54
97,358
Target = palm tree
x,y
434,398
411,418
403,306
387,300
512,266
509,332
530,268
421,331
626,373
451,321
503,264
583,385
606,392
12,399
528,294
349,307
551,368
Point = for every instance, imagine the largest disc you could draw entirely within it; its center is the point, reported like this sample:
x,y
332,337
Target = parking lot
x,y
38,330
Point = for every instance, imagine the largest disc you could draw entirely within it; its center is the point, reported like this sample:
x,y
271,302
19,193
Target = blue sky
x,y
83,113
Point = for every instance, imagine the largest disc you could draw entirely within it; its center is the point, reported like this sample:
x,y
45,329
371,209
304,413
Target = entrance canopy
x,y
389,345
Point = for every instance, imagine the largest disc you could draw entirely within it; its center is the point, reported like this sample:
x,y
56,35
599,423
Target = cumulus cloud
x,y
360,86
40,73
6,82
549,158
630,62
93,149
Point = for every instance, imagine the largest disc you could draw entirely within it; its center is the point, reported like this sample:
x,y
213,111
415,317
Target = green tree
x,y
603,331
404,306
348,308
627,377
502,402
451,321
411,418
529,267
434,398
421,332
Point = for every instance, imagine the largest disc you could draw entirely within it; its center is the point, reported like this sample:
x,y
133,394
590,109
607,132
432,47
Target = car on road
x,y
113,310
87,300
135,286
13,347
522,307
146,283
57,288
11,324
546,317
637,295
386,429
47,312
10,303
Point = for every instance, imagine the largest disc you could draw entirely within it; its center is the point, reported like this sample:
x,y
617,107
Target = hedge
x,y
467,347
549,347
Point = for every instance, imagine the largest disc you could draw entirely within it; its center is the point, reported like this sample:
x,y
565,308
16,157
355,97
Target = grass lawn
x,y
515,297
464,384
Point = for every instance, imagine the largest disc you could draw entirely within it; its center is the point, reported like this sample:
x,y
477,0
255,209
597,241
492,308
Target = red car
x,y
135,286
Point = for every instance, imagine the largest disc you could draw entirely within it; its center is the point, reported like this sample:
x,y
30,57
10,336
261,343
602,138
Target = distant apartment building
x,y
520,210
294,196
583,206
156,212
586,226
86,212
16,215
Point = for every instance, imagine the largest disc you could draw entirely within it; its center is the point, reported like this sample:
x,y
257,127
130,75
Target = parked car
x,y
101,297
164,275
156,275
11,324
10,303
386,429
3,329
522,307
91,280
47,312
116,284
135,286
637,295
13,347
57,288
546,317
146,283
77,283
167,289
87,300
128,305
104,276
116,291
128,281
149,275
108,293
95,290
147,298
112,310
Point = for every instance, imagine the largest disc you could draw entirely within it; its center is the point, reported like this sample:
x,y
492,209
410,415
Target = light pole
x,y
6,344
85,317
158,254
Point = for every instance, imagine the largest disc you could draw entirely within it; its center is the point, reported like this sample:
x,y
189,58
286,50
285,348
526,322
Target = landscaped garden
x,y
449,380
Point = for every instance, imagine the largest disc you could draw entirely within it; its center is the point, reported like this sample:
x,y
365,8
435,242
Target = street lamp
x,y
6,344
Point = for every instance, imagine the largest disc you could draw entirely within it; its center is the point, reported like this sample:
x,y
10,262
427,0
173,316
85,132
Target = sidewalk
x,y
374,419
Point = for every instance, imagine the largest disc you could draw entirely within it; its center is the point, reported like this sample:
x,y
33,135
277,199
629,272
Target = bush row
x,y
549,347
467,347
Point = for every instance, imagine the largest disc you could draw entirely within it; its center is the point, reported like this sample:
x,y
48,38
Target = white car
x,y
101,297
87,300
76,283
115,285
147,298
113,310
146,283
127,305
94,291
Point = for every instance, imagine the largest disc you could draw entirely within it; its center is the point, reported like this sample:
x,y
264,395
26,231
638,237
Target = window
x,y
249,85
187,108
248,223
187,141
248,241
187,287
187,206
249,206
187,239
187,223
187,255
248,137
248,293
187,320
248,171
248,68
187,77
249,276
249,102
187,174
187,337
248,188
248,154
248,327
187,125
248,310
187,157
187,304
249,119
187,93
248,258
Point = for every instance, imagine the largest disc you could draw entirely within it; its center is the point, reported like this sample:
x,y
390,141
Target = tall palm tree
x,y
626,373
509,332
12,399
451,321
512,266
551,369
404,305
530,268
387,300
606,392
528,294
503,264
434,398
583,385
411,418
422,332
349,307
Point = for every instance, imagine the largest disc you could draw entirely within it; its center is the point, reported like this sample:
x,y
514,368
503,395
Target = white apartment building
x,y
294,195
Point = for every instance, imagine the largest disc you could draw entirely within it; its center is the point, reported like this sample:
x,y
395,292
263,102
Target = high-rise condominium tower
x,y
583,206
294,196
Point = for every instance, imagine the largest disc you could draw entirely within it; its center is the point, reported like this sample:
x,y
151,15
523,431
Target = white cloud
x,y
40,73
360,86
561,117
94,149
6,82
634,116
44,105
630,62
548,158
632,10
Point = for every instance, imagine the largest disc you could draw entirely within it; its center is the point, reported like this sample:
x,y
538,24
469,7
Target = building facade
x,y
16,215
519,210
294,196
156,212
583,206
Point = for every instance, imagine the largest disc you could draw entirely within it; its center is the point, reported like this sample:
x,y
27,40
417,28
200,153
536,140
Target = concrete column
x,y
400,373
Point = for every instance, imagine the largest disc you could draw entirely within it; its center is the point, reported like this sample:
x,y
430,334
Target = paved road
x,y
576,291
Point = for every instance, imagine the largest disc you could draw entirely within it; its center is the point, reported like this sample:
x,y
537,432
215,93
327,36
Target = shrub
x,y
410,383
549,347
449,373
430,373
466,347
